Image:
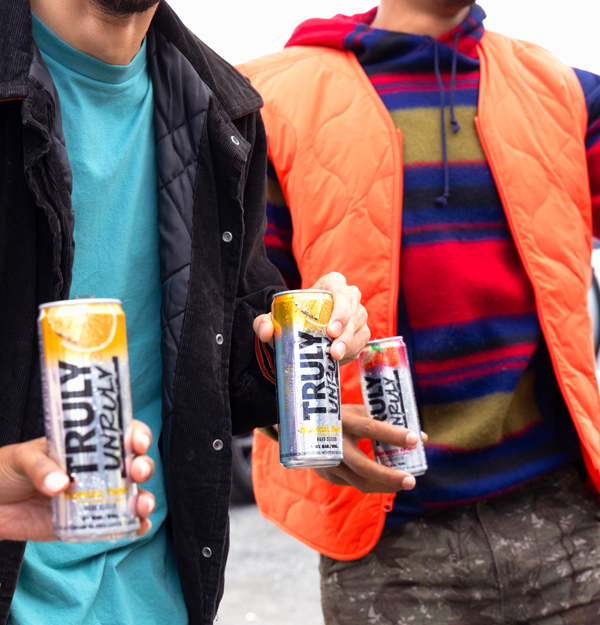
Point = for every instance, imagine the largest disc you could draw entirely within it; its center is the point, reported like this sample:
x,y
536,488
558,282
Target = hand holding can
x,y
308,383
29,480
88,418
388,395
347,325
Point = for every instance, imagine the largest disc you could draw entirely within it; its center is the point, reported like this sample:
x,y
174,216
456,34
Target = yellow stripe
x,y
482,422
274,193
422,134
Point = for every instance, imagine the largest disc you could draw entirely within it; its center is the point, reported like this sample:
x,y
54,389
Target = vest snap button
x,y
235,140
219,339
227,237
218,445
207,552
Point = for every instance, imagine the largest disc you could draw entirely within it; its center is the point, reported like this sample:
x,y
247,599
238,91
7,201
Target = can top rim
x,y
302,291
389,338
76,302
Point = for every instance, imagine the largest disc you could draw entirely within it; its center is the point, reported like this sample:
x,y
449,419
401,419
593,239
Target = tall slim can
x,y
308,382
389,396
87,405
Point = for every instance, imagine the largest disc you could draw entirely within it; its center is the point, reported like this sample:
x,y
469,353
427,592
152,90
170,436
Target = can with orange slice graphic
x,y
87,406
308,382
388,394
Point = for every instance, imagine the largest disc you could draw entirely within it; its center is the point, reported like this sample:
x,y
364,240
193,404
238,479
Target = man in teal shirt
x,y
113,183
156,146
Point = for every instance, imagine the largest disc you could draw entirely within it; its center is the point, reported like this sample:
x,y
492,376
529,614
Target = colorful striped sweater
x,y
487,395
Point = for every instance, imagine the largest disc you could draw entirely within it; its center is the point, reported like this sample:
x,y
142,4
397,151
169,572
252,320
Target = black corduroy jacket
x,y
211,157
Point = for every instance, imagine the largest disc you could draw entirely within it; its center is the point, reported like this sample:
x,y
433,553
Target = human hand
x,y
348,323
357,469
29,478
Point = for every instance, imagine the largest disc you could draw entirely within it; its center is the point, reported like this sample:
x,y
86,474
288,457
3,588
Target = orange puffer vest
x,y
338,158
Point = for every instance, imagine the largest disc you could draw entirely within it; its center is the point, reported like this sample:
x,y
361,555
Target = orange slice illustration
x,y
316,311
83,332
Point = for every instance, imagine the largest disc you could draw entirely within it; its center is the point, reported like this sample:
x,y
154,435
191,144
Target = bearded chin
x,y
124,8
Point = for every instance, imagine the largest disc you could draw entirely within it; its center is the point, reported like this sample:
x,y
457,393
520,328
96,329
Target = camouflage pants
x,y
529,556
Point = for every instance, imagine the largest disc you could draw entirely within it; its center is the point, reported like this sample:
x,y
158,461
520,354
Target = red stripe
x,y
472,374
456,226
593,159
424,77
272,240
456,282
268,357
259,357
430,87
524,349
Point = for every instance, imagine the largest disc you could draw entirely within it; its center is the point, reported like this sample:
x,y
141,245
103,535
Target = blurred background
x,y
271,578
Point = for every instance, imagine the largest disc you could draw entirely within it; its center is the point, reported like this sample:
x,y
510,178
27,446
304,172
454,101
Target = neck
x,y
114,40
419,17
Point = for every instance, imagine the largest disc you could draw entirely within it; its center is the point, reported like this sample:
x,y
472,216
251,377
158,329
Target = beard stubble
x,y
124,8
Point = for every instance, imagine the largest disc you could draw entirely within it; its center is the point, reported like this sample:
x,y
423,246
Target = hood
x,y
354,32
376,49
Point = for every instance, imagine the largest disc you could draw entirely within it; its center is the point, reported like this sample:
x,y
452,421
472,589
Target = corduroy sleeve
x,y
252,389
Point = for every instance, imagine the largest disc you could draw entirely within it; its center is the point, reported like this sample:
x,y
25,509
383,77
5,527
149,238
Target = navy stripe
x,y
450,341
524,469
456,234
444,458
457,216
411,99
466,175
472,387
279,223
476,197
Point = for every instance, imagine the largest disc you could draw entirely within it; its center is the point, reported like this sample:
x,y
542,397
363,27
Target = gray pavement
x,y
271,578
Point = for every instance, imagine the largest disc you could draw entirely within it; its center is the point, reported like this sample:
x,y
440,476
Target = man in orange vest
x,y
444,170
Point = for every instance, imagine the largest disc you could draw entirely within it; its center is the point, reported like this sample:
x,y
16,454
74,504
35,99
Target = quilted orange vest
x,y
338,158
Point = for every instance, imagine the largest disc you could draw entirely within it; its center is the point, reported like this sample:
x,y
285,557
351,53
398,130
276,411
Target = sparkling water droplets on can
x,y
308,384
388,396
88,417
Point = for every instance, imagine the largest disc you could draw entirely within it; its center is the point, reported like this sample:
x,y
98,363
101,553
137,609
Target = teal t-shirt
x,y
107,115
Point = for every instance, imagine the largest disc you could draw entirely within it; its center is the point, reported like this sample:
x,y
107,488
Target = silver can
x,y
308,382
87,405
388,395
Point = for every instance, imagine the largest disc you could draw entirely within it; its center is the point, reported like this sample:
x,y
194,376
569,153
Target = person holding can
x,y
30,479
452,174
132,167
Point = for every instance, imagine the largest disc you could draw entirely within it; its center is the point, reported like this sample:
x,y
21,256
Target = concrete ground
x,y
271,578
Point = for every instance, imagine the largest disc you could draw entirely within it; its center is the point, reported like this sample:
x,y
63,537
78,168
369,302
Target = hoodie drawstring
x,y
442,201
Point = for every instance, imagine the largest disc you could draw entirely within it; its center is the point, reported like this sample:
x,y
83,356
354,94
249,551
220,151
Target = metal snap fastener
x,y
207,552
235,140
219,339
218,445
227,237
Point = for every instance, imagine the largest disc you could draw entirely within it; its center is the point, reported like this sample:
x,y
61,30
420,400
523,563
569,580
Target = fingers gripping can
x,y
308,382
388,395
87,406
